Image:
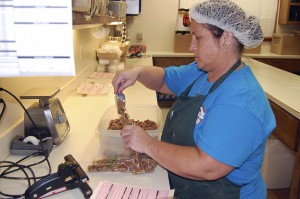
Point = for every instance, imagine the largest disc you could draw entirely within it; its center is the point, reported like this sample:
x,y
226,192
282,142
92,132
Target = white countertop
x,y
84,113
281,87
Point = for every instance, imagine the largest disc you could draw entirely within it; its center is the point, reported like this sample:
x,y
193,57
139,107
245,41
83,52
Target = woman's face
x,y
205,47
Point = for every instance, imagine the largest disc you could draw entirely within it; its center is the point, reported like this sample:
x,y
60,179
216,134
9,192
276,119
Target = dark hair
x,y
218,32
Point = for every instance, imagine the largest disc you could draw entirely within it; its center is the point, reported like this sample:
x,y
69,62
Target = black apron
x,y
179,129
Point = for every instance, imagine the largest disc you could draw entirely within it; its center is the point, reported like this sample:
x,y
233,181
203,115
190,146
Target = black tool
x,y
69,176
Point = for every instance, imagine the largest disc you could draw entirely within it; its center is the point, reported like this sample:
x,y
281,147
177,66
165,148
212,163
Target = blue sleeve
x,y
178,78
233,138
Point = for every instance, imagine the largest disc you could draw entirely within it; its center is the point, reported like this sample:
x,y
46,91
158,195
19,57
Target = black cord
x,y
12,167
3,109
27,170
8,171
2,89
21,167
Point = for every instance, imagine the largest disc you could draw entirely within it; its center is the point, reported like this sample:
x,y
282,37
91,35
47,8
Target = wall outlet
x,y
139,37
80,52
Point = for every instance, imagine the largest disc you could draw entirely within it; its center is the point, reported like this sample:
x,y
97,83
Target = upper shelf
x,y
79,19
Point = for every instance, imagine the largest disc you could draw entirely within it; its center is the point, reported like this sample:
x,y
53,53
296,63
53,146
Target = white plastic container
x,y
278,164
111,143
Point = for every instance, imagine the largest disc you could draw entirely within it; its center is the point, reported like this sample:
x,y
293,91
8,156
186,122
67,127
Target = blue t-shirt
x,y
233,123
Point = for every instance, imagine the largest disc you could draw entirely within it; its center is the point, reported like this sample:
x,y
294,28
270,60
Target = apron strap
x,y
218,82
223,77
187,90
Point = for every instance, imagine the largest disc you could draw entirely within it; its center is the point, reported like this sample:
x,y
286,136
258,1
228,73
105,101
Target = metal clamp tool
x,y
69,176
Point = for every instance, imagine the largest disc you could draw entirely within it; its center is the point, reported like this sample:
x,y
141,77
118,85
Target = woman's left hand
x,y
136,138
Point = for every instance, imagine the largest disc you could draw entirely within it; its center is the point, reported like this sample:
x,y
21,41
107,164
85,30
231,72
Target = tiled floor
x,y
272,193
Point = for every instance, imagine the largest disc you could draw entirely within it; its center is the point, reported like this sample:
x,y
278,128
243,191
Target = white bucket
x,y
278,164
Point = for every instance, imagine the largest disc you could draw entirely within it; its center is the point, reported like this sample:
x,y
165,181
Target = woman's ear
x,y
227,38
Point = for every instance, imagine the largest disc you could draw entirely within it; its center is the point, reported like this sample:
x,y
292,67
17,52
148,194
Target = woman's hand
x,y
151,77
136,138
124,79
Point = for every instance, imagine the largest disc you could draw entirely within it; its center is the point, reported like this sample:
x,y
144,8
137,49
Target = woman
x,y
214,138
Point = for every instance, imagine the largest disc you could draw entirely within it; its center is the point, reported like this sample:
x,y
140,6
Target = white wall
x,y
84,43
157,24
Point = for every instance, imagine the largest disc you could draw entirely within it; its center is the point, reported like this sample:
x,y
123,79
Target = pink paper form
x,y
108,190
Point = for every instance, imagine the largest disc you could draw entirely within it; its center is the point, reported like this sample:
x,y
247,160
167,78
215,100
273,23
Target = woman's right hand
x,y
124,79
136,138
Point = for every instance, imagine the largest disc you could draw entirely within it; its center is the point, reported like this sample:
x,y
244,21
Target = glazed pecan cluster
x,y
118,124
123,164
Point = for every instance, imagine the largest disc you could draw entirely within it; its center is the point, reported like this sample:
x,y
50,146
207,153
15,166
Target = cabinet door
x,y
171,61
289,12
287,127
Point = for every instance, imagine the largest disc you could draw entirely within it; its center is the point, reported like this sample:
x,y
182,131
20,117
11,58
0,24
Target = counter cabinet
x,y
171,61
288,127
289,12
288,131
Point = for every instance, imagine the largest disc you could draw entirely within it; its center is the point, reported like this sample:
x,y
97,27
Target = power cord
x,y
2,89
3,108
27,170
12,167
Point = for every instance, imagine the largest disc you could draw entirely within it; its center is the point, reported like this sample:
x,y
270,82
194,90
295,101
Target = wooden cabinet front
x,y
287,127
289,12
171,61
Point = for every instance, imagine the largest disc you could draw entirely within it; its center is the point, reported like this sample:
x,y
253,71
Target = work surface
x,y
281,87
84,113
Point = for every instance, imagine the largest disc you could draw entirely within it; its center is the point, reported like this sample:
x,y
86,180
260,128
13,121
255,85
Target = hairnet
x,y
229,17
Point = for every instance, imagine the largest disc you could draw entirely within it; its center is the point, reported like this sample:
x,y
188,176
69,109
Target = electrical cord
x,y
2,89
27,170
3,108
12,167
21,167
